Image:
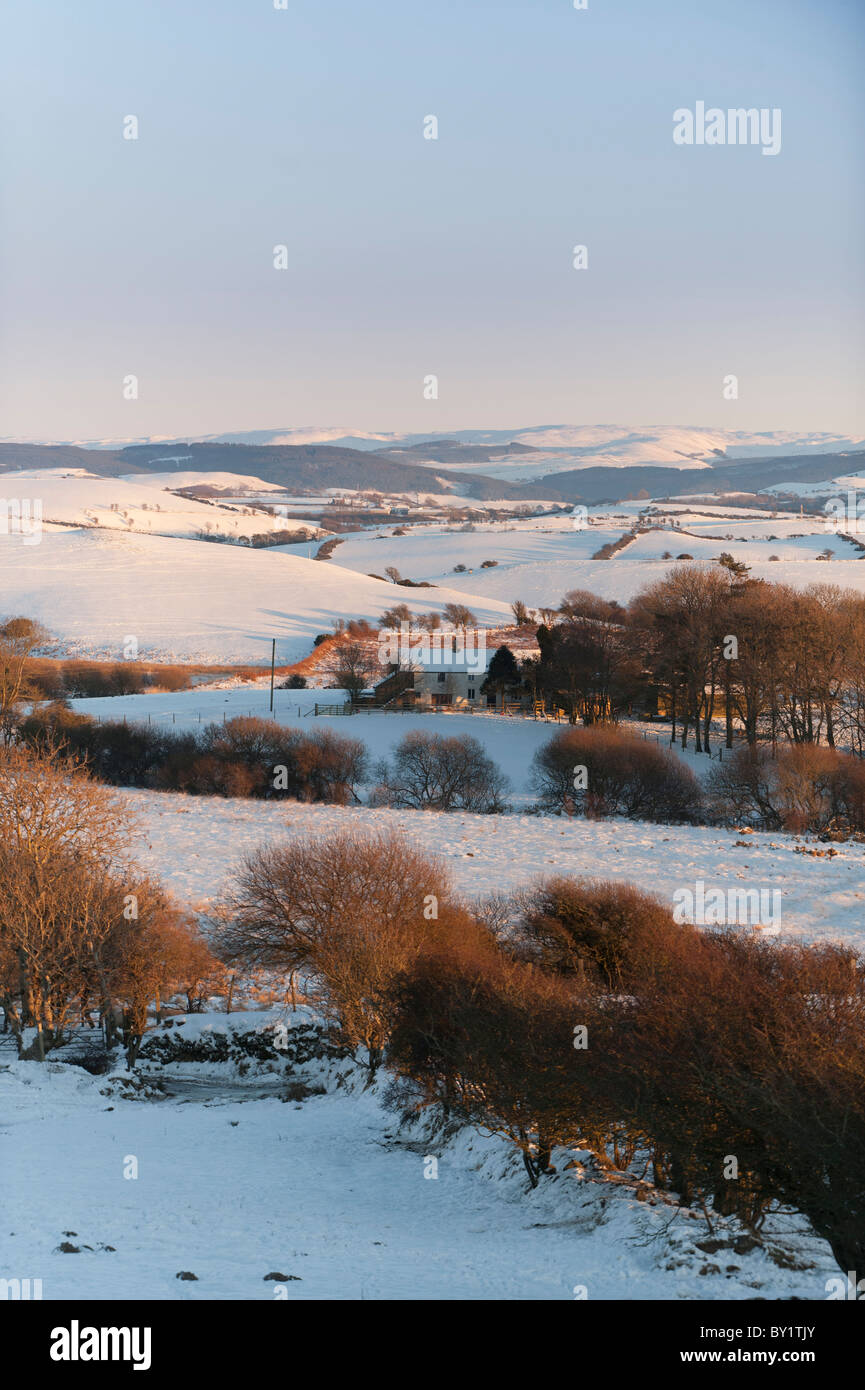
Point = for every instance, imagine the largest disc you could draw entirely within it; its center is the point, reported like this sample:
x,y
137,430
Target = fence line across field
x,y
319,710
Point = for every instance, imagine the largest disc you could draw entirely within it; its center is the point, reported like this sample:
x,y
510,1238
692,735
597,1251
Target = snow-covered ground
x,y
193,843
532,557
241,483
509,741
185,840
233,1186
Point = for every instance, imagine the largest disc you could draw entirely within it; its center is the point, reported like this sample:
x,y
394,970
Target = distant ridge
x,y
310,468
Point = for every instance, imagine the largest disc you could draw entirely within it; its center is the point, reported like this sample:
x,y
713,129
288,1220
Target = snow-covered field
x,y
193,843
241,483
185,837
541,558
509,741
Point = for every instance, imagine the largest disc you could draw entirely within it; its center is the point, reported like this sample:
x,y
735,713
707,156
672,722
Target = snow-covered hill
x,y
613,445
185,600
678,446
538,559
229,483
76,498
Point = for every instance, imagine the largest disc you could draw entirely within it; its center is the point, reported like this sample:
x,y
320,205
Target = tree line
x,y
781,664
251,757
578,1015
83,930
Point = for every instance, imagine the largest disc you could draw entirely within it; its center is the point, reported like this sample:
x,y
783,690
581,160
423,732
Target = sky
x,y
408,257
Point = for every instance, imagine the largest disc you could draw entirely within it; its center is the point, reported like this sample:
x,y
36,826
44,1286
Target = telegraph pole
x,y
272,666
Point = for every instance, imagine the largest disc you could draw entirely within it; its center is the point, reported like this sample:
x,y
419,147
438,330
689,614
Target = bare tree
x,y
430,772
62,885
349,911
459,616
352,667
19,638
396,616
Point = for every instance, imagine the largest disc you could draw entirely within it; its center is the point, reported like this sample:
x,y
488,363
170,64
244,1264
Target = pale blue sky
x,y
408,256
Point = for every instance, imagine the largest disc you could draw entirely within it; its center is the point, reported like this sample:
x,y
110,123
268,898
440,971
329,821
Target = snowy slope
x,y
234,1185
226,482
121,505
844,483
185,840
186,600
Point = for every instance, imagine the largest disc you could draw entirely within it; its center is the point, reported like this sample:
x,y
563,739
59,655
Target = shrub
x,y
624,776
168,678
349,911
129,755
610,933
435,773
724,1045
95,679
804,788
278,761
45,679
490,1040
755,1050
244,757
63,885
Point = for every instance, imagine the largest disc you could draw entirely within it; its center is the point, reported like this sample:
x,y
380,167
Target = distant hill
x,y
297,467
746,475
312,468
